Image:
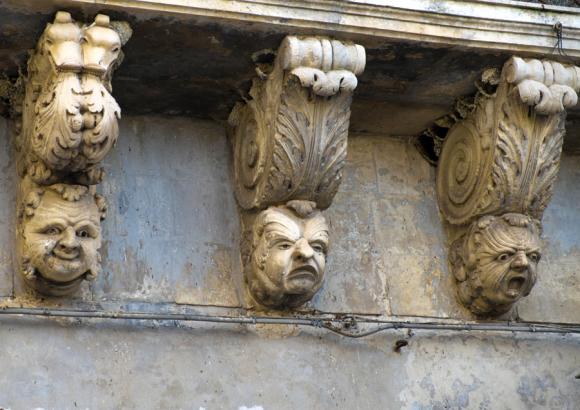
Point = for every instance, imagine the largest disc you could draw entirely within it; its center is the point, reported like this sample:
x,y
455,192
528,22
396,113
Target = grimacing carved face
x,y
288,258
501,260
62,239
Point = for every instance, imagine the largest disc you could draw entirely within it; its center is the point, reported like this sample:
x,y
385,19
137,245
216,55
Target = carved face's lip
x,y
304,272
63,284
65,255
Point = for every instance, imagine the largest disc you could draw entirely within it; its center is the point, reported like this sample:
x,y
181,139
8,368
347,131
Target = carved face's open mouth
x,y
515,286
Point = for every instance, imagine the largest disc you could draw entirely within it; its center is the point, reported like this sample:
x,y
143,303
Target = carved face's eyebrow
x,y
86,222
276,232
48,222
282,225
498,250
316,230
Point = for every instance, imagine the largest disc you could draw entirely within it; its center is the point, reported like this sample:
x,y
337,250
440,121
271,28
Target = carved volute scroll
x,y
495,177
290,140
69,124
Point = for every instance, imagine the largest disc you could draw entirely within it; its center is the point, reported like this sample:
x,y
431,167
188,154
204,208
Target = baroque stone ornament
x,y
290,137
289,140
288,254
69,124
60,237
495,178
69,120
496,261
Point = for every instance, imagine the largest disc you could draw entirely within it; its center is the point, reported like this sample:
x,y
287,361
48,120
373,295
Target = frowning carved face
x,y
500,260
61,241
289,254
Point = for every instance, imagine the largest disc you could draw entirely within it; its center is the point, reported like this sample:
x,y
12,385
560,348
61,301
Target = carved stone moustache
x,y
290,138
61,238
69,114
288,257
504,159
496,262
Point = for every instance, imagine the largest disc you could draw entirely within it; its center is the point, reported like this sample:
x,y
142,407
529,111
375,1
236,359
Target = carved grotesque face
x,y
61,241
289,254
496,263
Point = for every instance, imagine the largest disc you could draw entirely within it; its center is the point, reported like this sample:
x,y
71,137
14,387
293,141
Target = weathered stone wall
x,y
172,237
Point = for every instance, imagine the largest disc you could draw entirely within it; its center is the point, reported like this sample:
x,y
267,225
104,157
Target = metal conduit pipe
x,y
344,326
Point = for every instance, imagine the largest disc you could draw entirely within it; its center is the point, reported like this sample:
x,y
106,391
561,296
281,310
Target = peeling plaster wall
x,y
171,238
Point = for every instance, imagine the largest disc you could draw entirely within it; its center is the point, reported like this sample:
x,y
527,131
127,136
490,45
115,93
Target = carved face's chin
x,y
63,268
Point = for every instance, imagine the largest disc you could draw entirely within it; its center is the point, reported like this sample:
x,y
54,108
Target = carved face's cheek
x,y
316,233
279,260
491,270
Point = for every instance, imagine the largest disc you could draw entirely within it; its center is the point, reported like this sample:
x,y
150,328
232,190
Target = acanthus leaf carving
x,y
290,139
70,117
495,178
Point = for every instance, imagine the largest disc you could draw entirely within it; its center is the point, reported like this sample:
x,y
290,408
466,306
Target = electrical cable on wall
x,y
347,326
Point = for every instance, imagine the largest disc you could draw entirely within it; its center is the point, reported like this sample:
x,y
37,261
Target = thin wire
x,y
347,326
559,30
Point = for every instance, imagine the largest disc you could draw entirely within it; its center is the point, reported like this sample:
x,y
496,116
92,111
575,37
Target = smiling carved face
x,y
61,242
502,255
289,255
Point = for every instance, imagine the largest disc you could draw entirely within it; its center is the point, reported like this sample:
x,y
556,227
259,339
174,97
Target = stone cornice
x,y
491,24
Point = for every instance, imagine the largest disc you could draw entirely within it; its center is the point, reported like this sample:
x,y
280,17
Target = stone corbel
x,y
495,177
290,140
68,125
69,117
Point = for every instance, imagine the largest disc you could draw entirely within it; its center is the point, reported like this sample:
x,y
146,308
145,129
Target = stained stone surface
x,y
7,208
172,237
132,367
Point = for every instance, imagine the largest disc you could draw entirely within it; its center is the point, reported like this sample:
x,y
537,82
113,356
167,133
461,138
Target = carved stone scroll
x,y
495,177
69,124
290,138
290,141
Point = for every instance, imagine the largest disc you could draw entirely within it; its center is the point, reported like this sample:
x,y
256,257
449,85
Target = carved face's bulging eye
x,y
83,233
53,230
284,246
116,49
503,257
534,257
317,247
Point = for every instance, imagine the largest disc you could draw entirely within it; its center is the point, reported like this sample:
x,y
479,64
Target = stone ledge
x,y
500,25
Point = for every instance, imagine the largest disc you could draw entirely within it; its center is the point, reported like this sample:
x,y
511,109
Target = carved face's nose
x,y
520,261
303,250
69,240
